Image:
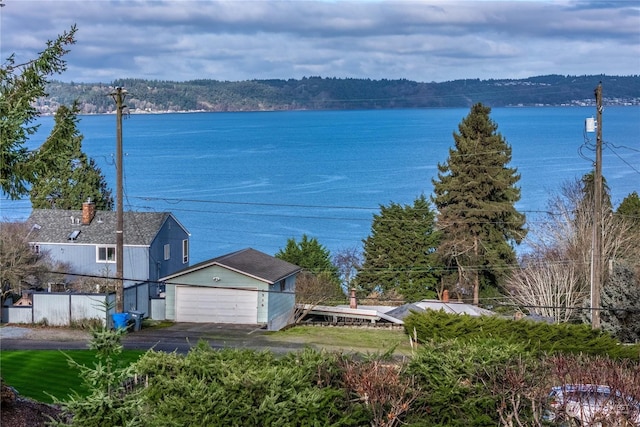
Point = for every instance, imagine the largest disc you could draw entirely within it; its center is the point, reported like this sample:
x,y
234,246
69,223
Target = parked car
x,y
591,405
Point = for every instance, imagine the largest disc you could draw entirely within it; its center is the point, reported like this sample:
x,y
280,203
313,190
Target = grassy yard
x,y
362,340
38,373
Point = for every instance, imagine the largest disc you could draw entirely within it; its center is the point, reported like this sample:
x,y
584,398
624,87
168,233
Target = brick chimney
x,y
445,296
88,212
353,301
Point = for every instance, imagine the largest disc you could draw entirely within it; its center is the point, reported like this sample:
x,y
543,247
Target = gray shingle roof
x,y
55,226
404,310
250,262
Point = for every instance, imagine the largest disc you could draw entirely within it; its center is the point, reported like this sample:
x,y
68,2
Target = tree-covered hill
x,y
317,93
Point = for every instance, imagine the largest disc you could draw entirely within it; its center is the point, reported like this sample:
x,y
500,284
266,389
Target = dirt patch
x,y
21,412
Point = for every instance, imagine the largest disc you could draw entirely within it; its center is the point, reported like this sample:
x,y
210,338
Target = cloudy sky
x,y
421,40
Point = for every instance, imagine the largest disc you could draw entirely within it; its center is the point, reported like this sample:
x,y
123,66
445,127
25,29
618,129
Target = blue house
x,y
243,287
155,243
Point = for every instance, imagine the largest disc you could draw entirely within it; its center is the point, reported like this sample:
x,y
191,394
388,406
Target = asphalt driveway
x,y
179,337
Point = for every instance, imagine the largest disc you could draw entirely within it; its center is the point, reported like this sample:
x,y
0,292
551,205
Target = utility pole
x,y
118,96
596,254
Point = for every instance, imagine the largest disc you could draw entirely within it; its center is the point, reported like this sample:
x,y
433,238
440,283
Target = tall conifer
x,y
399,255
21,84
475,195
64,176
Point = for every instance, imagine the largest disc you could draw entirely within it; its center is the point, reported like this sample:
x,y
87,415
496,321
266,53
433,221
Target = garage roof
x,y
249,262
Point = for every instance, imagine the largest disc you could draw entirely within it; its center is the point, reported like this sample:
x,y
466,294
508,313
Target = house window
x,y
185,251
283,285
106,254
167,251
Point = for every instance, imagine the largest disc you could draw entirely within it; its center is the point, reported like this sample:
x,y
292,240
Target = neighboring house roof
x,y
57,225
395,314
367,313
249,262
404,310
448,307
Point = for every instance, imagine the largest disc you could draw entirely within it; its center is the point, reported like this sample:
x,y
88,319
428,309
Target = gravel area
x,y
41,333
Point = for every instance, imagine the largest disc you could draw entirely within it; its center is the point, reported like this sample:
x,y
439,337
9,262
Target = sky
x,y
421,40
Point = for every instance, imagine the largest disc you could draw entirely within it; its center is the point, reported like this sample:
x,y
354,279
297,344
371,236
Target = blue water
x,y
239,180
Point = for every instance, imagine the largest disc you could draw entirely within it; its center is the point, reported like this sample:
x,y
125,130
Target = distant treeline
x,y
317,93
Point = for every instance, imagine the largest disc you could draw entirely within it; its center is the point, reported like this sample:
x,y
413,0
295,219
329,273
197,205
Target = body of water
x,y
239,180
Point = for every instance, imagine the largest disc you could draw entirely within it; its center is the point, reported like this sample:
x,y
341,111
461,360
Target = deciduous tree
x,y
549,286
20,85
561,246
348,261
21,266
63,176
399,254
475,195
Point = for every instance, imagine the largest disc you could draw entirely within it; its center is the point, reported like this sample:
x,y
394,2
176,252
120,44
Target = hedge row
x,y
472,380
533,336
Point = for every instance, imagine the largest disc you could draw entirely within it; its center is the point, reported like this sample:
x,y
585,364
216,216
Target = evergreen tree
x,y
475,193
620,298
64,177
308,254
20,86
399,255
629,209
320,280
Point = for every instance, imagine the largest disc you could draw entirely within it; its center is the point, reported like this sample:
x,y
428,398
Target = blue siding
x,y
281,304
82,260
172,234
141,263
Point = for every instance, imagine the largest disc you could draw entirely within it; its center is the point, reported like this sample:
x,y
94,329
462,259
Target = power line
x,y
621,159
504,304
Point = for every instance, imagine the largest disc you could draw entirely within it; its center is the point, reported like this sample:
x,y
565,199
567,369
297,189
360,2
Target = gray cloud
x,y
430,40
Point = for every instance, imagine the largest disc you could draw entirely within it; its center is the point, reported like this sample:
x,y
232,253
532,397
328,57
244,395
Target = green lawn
x,y
34,373
362,340
38,373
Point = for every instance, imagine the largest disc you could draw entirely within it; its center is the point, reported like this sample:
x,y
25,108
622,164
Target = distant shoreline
x,y
147,113
332,94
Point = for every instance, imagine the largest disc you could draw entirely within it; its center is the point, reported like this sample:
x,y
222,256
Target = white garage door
x,y
207,305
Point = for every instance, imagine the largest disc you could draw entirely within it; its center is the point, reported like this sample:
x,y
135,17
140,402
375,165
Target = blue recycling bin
x,y
120,320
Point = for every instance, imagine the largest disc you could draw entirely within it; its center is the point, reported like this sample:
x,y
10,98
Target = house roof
x,y
367,313
249,262
57,225
404,310
448,307
394,314
454,307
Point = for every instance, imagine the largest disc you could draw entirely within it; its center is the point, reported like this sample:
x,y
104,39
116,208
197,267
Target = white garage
x,y
199,304
243,287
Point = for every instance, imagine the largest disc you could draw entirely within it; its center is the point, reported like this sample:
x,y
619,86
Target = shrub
x,y
244,387
454,376
106,403
534,336
383,387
